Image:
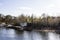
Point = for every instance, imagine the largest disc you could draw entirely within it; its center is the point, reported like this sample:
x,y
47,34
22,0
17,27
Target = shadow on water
x,y
44,35
57,31
18,32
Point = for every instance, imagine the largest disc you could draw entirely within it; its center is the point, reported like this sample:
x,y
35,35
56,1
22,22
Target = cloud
x,y
25,8
51,6
51,9
27,11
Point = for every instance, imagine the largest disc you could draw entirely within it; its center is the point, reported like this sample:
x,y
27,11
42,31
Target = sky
x,y
29,7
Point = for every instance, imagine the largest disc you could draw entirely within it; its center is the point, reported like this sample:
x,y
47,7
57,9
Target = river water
x,y
10,34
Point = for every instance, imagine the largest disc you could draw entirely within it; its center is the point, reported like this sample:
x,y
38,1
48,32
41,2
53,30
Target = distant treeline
x,y
42,22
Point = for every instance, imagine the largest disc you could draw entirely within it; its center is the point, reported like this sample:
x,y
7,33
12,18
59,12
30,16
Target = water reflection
x,y
10,34
27,35
7,34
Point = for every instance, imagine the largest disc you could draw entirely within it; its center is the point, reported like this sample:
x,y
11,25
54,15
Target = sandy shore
x,y
46,30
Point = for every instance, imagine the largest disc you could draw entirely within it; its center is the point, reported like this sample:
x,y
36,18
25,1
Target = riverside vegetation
x,y
44,22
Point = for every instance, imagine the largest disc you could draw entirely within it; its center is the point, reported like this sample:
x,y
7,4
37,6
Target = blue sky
x,y
29,7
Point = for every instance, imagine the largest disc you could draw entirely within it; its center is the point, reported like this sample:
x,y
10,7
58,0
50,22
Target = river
x,y
10,34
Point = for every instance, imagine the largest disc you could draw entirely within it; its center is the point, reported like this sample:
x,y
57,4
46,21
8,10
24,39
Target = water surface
x,y
10,34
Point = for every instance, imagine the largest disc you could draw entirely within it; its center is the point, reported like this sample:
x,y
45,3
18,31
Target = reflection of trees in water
x,y
44,35
27,35
18,32
18,35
